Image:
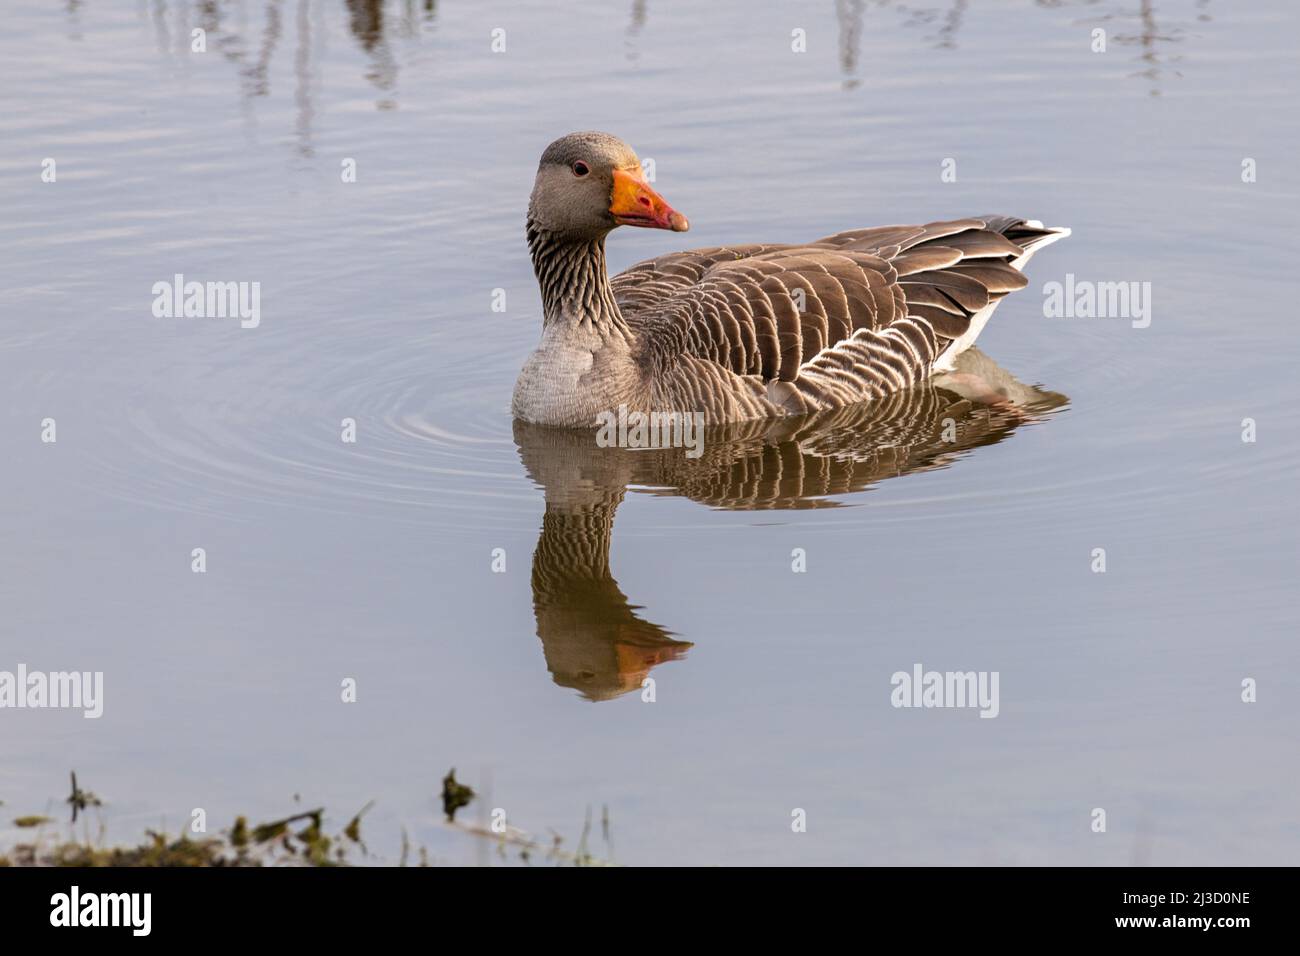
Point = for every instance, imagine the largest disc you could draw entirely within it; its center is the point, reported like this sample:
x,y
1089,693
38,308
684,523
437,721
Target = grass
x,y
299,839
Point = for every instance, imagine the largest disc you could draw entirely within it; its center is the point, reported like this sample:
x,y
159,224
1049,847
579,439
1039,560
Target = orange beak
x,y
633,203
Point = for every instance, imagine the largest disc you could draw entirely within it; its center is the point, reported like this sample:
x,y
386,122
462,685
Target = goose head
x,y
589,183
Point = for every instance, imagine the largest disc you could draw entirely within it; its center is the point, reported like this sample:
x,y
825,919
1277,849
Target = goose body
x,y
748,331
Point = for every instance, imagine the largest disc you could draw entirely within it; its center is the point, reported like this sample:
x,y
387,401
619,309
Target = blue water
x,y
373,560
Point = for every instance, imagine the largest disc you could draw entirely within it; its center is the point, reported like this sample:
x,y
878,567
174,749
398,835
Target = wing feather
x,y
851,315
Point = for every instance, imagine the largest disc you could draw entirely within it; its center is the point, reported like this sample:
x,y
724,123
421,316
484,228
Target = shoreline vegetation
x,y
299,839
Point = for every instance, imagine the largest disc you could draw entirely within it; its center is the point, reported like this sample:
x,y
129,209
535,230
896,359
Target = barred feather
x,y
850,317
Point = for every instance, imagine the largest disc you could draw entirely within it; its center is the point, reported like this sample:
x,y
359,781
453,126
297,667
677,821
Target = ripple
x,y
426,449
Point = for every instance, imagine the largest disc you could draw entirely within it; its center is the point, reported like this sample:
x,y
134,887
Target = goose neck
x,y
573,279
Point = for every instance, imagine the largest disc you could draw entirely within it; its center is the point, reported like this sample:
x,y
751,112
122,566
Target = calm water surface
x,y
373,560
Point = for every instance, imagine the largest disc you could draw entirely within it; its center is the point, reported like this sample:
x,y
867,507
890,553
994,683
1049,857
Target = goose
x,y
750,331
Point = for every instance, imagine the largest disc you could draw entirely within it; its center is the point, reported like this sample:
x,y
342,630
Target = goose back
x,y
850,317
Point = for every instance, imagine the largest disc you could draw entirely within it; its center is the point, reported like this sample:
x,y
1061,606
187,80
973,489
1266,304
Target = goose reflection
x,y
594,640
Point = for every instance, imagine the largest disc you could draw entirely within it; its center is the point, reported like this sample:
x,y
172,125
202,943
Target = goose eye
x,y
580,168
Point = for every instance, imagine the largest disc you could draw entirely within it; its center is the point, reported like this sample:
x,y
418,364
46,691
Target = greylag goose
x,y
750,331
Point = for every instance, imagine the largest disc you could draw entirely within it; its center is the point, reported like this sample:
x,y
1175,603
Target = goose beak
x,y
633,203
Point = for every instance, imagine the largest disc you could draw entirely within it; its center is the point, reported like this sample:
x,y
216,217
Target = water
x,y
372,560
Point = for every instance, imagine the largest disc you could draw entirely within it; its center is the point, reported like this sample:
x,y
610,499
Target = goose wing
x,y
850,316
650,282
